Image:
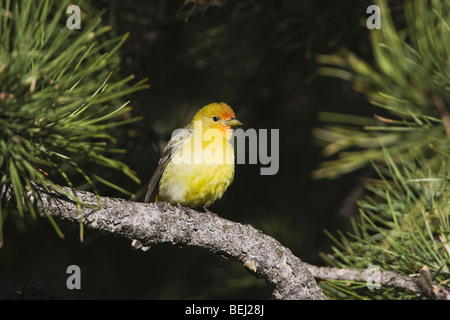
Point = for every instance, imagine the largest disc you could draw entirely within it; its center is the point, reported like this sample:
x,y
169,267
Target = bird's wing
x,y
173,147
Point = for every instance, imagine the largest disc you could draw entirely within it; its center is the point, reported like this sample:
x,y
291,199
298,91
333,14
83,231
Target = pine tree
x,y
60,98
404,221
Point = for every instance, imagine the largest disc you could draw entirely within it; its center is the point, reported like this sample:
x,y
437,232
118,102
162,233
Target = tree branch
x,y
422,285
156,223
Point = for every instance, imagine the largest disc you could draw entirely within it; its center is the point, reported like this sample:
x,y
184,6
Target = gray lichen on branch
x,y
158,223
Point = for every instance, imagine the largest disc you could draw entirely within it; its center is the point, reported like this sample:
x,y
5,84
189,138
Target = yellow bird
x,y
197,165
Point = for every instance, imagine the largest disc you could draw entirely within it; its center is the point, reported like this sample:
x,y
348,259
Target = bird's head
x,y
216,116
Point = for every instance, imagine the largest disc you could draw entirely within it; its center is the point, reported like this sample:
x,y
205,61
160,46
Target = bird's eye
x,y
215,119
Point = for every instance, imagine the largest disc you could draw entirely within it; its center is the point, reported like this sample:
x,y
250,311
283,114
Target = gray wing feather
x,y
173,147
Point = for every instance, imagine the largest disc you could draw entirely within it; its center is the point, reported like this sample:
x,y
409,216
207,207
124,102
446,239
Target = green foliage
x,y
404,225
409,84
59,99
404,221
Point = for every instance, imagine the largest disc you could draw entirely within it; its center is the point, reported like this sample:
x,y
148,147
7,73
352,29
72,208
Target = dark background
x,y
259,57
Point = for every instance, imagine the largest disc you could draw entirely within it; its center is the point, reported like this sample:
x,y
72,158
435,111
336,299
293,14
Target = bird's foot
x,y
206,209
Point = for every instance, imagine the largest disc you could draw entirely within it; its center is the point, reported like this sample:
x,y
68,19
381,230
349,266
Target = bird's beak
x,y
233,122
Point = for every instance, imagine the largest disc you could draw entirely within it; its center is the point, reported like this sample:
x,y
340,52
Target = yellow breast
x,y
199,174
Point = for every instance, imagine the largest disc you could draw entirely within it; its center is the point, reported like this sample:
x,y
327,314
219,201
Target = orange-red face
x,y
218,116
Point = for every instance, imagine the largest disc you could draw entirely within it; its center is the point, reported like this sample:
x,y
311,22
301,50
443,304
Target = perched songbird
x,y
197,165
